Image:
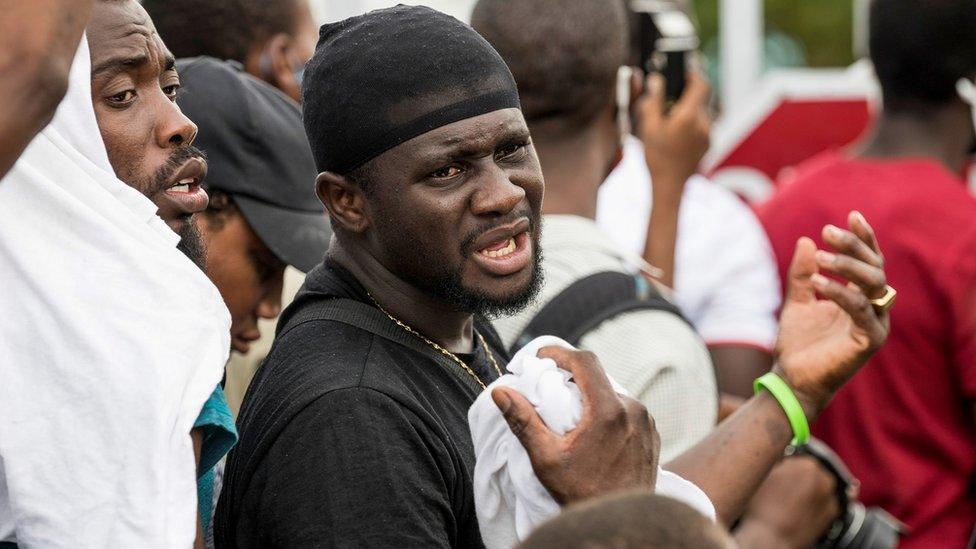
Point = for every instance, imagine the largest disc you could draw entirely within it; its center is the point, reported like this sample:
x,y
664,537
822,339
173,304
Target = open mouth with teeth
x,y
183,198
186,185
500,249
506,256
184,194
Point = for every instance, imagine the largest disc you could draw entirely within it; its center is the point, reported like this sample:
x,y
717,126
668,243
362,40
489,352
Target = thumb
x,y
694,98
804,264
524,422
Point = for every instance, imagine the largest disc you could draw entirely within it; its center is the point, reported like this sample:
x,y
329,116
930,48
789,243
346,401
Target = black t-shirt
x,y
353,439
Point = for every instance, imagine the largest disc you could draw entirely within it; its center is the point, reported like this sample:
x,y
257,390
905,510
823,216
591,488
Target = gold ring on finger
x,y
884,303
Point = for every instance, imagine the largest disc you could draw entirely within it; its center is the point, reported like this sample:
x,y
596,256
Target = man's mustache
x,y
161,180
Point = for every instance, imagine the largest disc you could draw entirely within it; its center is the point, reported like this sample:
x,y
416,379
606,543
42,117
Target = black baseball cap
x,y
258,154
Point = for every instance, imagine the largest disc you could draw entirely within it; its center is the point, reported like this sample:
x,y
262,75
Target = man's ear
x,y
344,200
278,65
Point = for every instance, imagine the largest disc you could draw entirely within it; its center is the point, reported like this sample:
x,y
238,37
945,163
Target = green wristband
x,y
787,400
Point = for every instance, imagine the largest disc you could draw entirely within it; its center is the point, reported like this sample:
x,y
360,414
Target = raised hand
x,y
674,143
674,140
615,445
822,343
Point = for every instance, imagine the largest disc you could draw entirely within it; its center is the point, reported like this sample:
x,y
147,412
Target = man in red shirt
x,y
907,425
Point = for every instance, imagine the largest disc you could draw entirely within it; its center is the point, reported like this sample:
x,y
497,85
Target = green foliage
x,y
823,27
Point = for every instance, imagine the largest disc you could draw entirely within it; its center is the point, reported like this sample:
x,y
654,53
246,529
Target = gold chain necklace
x,y
442,350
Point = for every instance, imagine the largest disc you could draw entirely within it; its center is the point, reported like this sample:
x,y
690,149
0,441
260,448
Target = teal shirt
x,y
219,436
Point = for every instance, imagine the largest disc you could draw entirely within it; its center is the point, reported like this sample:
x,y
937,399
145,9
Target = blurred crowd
x,y
403,281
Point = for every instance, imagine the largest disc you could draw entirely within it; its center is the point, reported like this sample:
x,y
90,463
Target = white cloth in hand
x,y
509,499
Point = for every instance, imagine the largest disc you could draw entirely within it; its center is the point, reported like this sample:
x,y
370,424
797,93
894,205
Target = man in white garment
x,y
712,250
120,341
725,278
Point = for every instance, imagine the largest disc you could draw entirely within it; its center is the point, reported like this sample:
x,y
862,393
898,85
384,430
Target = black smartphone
x,y
667,39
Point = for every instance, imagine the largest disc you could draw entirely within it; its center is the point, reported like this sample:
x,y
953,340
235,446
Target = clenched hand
x,y
614,447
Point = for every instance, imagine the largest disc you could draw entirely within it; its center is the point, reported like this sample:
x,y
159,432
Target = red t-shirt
x,y
905,424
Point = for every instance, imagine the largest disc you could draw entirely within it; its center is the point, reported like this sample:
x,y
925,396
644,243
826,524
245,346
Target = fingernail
x,y
825,258
656,82
819,280
833,231
860,217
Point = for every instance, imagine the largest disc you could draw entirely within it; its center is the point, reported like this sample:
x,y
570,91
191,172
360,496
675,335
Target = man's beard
x,y
445,281
448,286
191,242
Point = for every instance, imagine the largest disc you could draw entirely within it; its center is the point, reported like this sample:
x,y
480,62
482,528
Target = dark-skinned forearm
x,y
38,40
732,461
662,230
755,535
736,367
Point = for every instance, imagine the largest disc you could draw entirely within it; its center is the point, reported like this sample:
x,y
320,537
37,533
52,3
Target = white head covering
x,y
111,342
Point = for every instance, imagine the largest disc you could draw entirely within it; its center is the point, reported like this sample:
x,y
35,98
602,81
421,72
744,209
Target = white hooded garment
x,y
509,499
110,343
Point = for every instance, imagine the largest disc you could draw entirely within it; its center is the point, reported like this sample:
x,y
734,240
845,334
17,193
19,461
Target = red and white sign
x,y
792,116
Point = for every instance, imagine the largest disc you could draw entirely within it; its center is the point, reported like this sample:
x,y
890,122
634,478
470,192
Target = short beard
x,y
446,283
191,242
450,289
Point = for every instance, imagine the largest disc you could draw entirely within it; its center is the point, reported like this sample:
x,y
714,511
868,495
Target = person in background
x,y
629,520
271,39
263,214
906,426
710,247
654,354
38,41
355,428
567,75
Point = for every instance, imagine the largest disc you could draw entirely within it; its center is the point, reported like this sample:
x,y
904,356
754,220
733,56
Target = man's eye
x,y
447,173
123,97
511,150
171,90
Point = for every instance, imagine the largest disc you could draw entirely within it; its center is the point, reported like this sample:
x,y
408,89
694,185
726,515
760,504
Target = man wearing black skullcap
x,y
354,432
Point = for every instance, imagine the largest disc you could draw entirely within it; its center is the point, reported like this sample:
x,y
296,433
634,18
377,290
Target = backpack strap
x,y
590,301
370,319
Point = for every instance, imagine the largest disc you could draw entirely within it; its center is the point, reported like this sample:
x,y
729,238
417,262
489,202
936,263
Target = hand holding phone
x,y
677,138
667,41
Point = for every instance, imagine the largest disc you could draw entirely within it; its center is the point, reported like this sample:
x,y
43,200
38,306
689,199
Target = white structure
x,y
741,49
336,10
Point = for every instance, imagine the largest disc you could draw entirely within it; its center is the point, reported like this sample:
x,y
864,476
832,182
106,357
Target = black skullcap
x,y
380,79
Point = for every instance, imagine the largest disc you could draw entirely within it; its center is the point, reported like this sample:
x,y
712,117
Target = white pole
x,y
862,10
741,49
